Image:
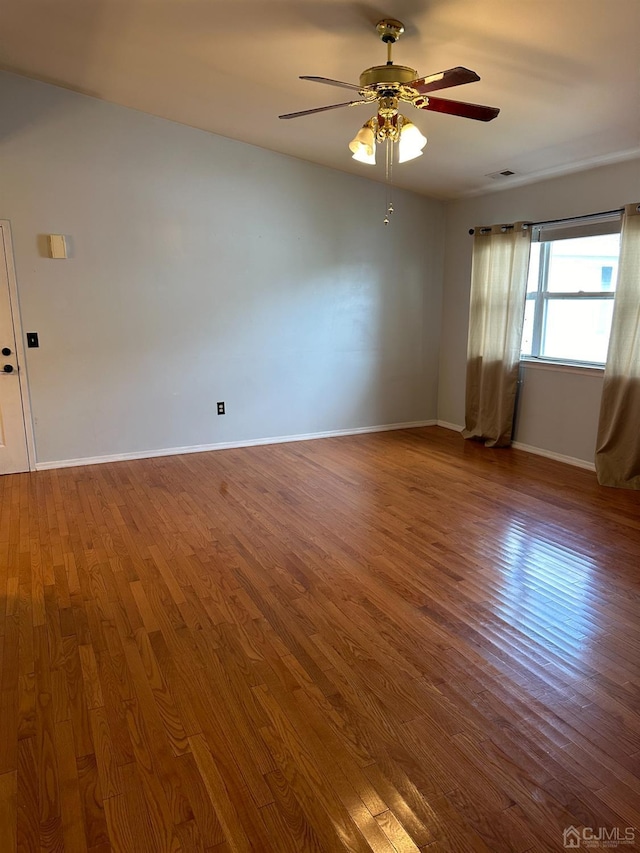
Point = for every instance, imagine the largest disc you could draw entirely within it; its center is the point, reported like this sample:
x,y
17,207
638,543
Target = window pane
x,y
577,329
589,264
527,331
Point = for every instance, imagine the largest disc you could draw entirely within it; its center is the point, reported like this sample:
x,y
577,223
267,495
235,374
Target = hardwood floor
x,y
391,642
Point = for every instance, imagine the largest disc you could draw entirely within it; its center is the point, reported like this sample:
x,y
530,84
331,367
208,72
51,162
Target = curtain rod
x,y
556,221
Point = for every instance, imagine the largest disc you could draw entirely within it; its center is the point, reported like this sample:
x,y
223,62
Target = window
x,y
570,291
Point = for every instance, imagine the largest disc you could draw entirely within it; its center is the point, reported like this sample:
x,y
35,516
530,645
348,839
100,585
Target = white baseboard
x,y
538,451
559,457
223,445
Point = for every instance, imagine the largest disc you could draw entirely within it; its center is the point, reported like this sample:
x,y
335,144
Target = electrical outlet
x,y
221,408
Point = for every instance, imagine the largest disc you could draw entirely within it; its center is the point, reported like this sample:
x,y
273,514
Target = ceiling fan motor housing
x,y
384,75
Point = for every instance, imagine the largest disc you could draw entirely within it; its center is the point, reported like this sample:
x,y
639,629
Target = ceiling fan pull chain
x,y
388,174
392,143
386,181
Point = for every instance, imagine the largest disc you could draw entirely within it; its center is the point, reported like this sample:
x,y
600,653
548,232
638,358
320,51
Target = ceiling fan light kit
x,y
388,85
394,129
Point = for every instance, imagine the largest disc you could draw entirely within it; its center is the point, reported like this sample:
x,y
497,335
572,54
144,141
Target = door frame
x,y
7,245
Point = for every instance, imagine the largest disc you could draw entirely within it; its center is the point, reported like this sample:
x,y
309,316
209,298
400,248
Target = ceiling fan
x,y
390,84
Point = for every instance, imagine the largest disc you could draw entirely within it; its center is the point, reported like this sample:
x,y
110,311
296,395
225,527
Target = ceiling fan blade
x,y
324,109
444,80
333,83
459,108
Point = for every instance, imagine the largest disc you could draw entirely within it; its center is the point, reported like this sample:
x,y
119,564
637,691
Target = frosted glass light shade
x,y
363,145
411,142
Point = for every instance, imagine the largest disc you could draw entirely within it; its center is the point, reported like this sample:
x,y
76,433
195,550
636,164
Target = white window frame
x,y
546,234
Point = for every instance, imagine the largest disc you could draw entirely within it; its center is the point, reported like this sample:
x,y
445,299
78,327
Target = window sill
x,y
562,366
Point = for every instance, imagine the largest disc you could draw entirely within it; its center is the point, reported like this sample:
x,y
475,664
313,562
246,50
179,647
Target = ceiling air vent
x,y
504,173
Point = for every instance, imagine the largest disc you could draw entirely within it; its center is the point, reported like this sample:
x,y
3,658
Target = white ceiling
x,y
565,73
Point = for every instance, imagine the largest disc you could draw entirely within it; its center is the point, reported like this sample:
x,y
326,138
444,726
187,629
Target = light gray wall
x,y
204,269
558,410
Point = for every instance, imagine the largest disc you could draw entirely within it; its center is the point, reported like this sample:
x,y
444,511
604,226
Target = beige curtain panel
x,y
496,314
618,442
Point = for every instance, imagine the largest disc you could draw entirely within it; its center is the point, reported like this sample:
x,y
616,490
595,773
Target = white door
x,y
14,455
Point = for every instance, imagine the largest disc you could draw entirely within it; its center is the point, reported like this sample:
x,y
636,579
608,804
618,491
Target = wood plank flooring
x,y
393,642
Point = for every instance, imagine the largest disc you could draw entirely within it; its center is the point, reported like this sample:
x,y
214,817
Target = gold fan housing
x,y
387,75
